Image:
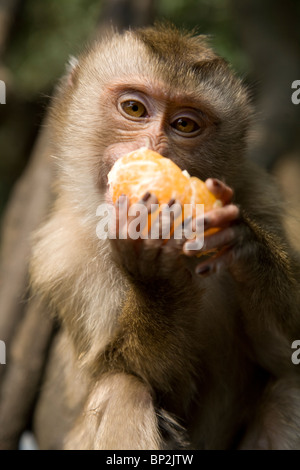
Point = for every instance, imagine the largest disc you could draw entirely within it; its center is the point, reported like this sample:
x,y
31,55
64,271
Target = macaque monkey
x,y
160,347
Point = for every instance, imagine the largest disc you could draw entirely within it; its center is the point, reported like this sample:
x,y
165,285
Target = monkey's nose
x,y
147,142
157,144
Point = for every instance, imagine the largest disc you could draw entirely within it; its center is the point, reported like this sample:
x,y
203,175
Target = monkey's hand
x,y
141,254
223,242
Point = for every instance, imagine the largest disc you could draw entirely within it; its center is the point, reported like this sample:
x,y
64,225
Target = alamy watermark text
x,y
2,92
2,353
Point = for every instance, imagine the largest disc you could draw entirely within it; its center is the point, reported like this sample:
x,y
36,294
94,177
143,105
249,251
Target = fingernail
x,y
171,202
146,196
216,183
203,270
121,200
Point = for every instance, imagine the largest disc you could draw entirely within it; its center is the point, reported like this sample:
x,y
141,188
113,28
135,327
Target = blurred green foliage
x,y
47,34
50,31
211,17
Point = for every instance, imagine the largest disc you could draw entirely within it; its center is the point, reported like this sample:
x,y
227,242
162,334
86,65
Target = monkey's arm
x,y
255,251
267,279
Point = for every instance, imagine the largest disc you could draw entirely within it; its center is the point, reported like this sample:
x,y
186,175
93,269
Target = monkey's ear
x,y
71,69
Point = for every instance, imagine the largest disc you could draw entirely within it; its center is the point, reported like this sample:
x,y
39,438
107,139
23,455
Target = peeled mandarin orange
x,y
144,170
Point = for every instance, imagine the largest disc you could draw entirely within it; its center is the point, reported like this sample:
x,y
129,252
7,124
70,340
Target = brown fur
x,y
172,361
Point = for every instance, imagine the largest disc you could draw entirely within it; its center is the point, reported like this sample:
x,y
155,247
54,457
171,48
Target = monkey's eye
x,y
134,108
185,125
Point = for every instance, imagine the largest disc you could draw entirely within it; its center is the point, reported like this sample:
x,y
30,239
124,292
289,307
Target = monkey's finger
x,y
169,219
158,233
149,200
126,215
217,218
163,221
220,190
217,263
216,241
221,217
139,249
138,216
182,232
161,230
150,203
219,240
230,245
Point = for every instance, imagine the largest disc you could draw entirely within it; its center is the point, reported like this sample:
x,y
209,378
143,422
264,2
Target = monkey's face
x,y
145,112
126,93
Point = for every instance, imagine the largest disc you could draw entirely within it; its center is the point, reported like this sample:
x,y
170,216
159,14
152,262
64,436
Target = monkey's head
x,y
154,87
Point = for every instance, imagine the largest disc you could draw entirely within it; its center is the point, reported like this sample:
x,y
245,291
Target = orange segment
x,y
144,170
201,195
